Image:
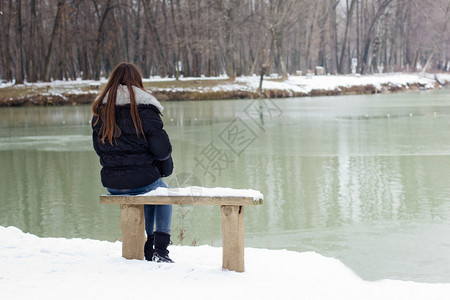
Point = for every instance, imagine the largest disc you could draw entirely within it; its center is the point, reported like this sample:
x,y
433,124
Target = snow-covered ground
x,y
305,84
297,84
58,268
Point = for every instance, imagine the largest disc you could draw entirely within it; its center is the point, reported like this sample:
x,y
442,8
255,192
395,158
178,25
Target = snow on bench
x,y
231,201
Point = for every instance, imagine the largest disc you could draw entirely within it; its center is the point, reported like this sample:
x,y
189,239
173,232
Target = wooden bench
x,y
231,203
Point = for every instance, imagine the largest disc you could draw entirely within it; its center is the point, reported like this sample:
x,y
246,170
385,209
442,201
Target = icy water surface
x,y
364,179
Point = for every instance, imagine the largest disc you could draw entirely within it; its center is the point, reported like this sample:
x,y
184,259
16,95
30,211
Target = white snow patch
x,y
58,268
182,78
6,84
304,84
206,192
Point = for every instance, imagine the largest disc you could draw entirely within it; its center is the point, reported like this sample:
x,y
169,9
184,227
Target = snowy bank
x,y
203,88
58,268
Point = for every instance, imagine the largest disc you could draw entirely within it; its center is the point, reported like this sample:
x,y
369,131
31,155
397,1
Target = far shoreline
x,y
197,89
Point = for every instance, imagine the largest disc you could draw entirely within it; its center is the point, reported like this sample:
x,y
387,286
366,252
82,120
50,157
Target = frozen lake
x,y
364,179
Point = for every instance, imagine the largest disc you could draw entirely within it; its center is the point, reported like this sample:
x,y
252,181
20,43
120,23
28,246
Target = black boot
x,y
148,248
161,253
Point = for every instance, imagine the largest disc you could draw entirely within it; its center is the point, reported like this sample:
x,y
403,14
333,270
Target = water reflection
x,y
36,116
48,193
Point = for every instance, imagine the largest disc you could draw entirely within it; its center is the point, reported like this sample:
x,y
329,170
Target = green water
x,y
364,179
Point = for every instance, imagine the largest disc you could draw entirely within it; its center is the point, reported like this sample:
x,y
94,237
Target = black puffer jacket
x,y
132,161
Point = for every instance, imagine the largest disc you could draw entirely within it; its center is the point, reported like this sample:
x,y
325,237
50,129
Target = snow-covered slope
x,y
58,268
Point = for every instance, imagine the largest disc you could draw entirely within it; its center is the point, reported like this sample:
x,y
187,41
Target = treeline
x,y
67,39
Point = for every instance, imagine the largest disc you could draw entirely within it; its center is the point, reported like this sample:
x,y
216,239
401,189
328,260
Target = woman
x,y
134,150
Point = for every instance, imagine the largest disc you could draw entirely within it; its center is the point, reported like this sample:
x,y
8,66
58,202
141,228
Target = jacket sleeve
x,y
160,146
95,137
157,139
165,167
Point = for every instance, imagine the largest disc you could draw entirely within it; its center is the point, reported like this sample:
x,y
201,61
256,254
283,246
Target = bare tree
x,y
379,9
227,12
56,22
280,13
5,21
444,8
19,43
102,14
83,38
340,62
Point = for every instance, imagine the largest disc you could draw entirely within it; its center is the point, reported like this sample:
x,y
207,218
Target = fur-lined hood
x,y
142,97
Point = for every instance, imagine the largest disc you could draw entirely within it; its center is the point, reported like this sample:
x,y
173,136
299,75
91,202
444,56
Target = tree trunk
x,y
46,75
6,54
228,51
380,11
169,62
333,38
151,22
238,55
99,41
358,30
341,64
310,36
254,63
271,57
31,57
177,36
277,41
322,40
19,44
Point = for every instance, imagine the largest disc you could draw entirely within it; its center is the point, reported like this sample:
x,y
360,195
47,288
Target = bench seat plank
x,y
178,200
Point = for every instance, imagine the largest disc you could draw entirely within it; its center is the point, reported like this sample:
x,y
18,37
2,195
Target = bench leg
x,y
233,237
133,231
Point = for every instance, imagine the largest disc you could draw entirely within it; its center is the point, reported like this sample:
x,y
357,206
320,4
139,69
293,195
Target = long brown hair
x,y
123,74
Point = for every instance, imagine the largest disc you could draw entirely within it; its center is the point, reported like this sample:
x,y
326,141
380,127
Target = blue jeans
x,y
162,214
